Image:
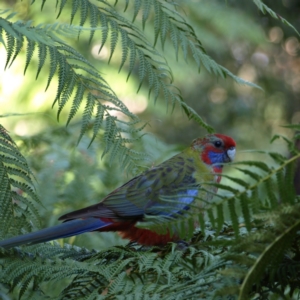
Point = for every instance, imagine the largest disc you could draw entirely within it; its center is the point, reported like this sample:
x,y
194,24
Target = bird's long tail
x,y
67,229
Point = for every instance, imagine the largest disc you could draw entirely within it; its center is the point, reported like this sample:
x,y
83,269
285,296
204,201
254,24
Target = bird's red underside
x,y
127,230
145,237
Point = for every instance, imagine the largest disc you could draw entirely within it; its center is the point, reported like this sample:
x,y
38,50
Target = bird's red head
x,y
215,149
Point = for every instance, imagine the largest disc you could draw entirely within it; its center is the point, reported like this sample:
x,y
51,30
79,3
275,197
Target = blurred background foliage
x,y
251,45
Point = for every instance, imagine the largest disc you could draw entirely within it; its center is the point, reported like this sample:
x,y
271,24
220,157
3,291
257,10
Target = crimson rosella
x,y
178,179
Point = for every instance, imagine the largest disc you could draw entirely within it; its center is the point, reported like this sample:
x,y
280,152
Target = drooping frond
x,y
136,50
78,82
18,198
265,9
169,24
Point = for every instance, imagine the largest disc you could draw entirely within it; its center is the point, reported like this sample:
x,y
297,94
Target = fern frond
x,y
75,6
152,67
17,195
42,53
77,79
272,254
113,38
265,9
233,216
29,53
10,48
168,23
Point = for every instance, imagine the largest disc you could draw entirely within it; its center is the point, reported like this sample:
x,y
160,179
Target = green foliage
x,y
254,252
267,10
242,197
18,198
79,81
248,246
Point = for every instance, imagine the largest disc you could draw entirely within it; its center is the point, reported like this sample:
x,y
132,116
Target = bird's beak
x,y
231,153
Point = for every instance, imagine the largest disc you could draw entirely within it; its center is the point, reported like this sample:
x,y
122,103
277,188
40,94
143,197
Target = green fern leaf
x,y
6,206
220,217
17,194
7,26
142,68
63,72
270,188
281,186
289,175
157,20
110,132
75,6
62,5
84,10
113,38
265,9
87,115
165,27
174,34
124,41
270,254
211,217
42,54
53,65
19,46
10,48
29,53
98,121
93,21
66,94
104,32
146,11
233,216
136,9
77,100
252,174
244,200
132,58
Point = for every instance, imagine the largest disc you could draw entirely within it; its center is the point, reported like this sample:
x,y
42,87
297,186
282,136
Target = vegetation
x,y
247,245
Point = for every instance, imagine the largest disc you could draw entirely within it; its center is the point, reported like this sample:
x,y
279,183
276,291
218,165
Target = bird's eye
x,y
218,144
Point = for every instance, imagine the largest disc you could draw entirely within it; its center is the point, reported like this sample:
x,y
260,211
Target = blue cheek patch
x,y
215,157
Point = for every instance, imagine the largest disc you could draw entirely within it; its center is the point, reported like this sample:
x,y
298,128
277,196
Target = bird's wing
x,y
162,190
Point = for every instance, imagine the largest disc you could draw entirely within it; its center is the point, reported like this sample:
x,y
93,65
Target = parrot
x,y
166,190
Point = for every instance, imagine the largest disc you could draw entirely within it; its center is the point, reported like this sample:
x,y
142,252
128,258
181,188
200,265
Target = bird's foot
x,y
182,245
